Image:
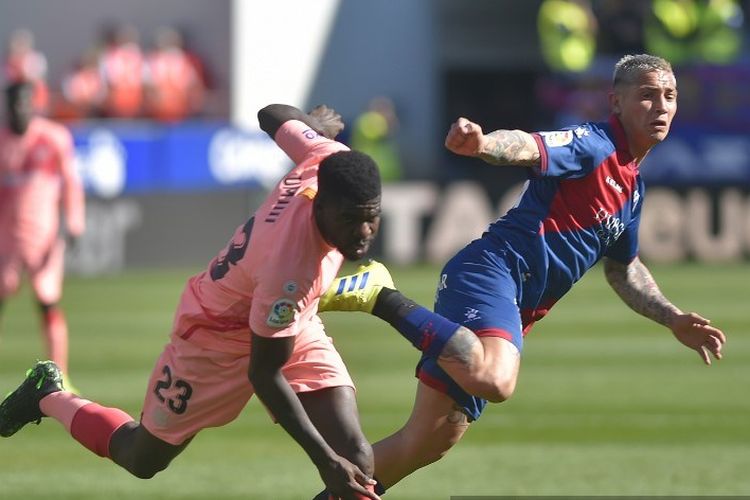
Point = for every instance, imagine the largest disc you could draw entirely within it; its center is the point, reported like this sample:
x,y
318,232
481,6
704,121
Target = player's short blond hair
x,y
629,67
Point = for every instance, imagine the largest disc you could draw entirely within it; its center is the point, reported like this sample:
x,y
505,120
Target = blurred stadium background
x,y
608,403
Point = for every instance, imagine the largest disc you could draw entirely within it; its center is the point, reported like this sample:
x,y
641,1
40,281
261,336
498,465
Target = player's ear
x,y
614,102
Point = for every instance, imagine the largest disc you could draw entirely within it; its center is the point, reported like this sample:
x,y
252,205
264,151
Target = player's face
x,y
349,227
20,109
646,108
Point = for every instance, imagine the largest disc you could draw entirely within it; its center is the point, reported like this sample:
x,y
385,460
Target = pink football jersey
x,y
37,178
271,275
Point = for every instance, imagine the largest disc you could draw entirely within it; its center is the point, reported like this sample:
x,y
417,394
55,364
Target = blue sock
x,y
426,330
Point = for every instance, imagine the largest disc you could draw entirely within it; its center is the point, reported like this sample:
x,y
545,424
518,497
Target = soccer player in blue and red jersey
x,y
581,205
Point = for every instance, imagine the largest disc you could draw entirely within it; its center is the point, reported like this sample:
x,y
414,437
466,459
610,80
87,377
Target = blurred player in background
x,y
261,291
582,204
37,179
24,63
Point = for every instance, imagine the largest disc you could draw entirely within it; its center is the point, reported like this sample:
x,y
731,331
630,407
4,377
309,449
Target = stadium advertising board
x,y
138,178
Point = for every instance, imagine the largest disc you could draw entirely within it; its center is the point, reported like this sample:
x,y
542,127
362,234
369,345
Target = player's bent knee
x,y
503,388
359,452
146,466
146,470
134,449
492,387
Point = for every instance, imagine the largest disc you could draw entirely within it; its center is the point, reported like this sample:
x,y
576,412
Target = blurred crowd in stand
x,y
705,40
116,77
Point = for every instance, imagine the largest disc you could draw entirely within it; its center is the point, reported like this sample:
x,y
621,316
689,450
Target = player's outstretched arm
x,y
637,288
267,357
324,120
501,147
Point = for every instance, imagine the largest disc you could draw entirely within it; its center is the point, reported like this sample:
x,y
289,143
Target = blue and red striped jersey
x,y
582,203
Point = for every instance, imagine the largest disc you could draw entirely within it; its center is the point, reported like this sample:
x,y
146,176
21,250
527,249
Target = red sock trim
x,y
53,315
94,424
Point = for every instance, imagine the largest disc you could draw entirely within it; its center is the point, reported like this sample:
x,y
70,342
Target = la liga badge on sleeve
x,y
557,138
282,313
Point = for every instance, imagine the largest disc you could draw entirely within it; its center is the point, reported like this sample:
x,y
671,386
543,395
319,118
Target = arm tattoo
x,y
636,287
460,347
511,147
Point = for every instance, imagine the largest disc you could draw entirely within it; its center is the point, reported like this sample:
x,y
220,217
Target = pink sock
x,y
62,406
56,336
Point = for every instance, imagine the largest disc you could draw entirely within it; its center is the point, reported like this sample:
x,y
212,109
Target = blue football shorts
x,y
478,291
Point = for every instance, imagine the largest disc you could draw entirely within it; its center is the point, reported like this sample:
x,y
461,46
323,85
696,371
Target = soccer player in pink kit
x,y
249,324
37,179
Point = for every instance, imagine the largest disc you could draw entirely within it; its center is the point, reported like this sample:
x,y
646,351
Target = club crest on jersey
x,y
282,313
581,131
557,138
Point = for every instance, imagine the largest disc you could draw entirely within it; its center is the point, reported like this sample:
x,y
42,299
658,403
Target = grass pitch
x,y
608,403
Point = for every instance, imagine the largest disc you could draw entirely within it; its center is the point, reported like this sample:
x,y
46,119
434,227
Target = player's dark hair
x,y
12,90
629,67
349,175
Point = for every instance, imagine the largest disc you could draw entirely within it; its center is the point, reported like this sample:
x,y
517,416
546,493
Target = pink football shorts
x,y
45,273
192,388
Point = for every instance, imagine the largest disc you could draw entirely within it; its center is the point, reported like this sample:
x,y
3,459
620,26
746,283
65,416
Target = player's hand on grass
x,y
465,138
329,122
696,332
345,480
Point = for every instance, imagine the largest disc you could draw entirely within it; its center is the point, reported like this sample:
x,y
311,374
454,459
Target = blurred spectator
x,y
690,31
567,34
204,72
174,89
215,101
23,63
374,133
121,66
586,102
622,25
83,89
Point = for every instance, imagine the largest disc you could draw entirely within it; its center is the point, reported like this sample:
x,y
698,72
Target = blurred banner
x,y
122,159
696,158
172,196
118,158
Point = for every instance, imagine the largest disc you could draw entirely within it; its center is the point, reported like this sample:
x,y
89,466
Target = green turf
x,y
607,403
